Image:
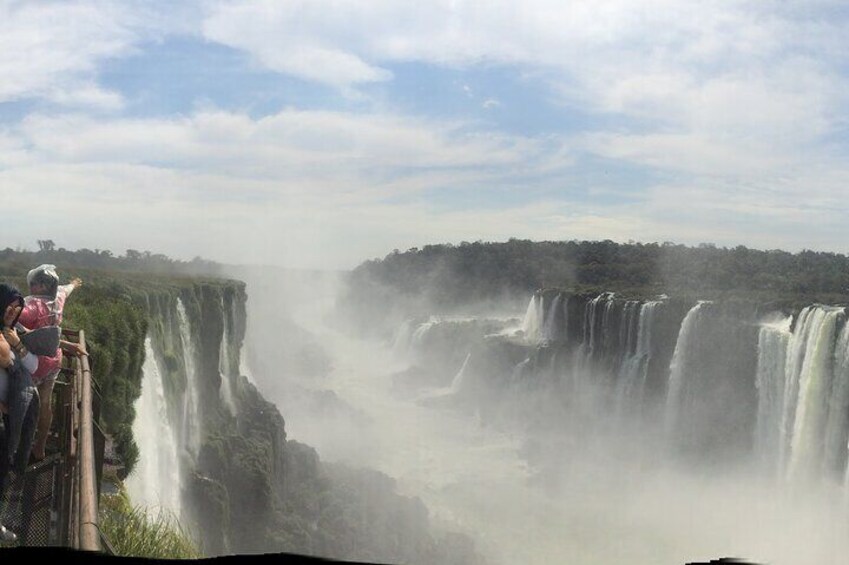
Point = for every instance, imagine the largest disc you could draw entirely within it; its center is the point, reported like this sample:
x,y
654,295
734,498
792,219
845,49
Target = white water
x,y
533,320
460,378
678,368
632,373
245,369
403,339
793,367
604,509
224,365
773,339
191,402
598,500
420,334
549,330
837,425
814,381
155,482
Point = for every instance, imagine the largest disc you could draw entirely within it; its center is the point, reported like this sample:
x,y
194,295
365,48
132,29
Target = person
x,y
20,397
44,307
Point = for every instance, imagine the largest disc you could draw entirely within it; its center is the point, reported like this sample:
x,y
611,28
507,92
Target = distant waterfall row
x,y
723,374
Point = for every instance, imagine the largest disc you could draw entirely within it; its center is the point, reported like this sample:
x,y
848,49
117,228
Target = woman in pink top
x,y
43,308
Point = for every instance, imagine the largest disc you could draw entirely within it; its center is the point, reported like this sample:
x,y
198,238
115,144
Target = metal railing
x,y
81,447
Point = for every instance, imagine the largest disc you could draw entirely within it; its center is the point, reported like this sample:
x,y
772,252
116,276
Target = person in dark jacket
x,y
21,396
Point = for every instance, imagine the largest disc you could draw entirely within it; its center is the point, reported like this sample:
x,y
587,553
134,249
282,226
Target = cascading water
x,y
191,402
225,365
793,366
678,367
634,367
814,380
550,330
532,323
420,334
518,371
403,338
245,369
773,340
156,480
589,345
460,378
837,424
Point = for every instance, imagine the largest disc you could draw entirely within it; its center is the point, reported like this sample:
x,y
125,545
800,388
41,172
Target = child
x,y
42,308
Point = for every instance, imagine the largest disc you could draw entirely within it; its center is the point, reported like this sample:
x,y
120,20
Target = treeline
x,y
451,275
102,259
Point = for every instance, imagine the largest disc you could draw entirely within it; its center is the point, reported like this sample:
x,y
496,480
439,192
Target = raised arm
x,y
71,286
72,348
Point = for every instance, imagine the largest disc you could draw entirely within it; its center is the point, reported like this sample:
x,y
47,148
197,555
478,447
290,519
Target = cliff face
x,y
246,487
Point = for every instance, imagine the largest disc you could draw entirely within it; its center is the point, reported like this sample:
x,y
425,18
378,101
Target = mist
x,y
531,452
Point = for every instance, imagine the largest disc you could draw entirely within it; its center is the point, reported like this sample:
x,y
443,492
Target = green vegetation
x,y
136,532
117,309
132,261
453,275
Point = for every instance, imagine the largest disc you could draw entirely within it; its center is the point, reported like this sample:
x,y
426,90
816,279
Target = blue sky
x,y
323,133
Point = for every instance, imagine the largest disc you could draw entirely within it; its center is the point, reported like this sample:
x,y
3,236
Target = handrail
x,y
79,509
89,533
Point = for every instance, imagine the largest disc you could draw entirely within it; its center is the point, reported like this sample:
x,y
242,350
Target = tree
x,y
46,245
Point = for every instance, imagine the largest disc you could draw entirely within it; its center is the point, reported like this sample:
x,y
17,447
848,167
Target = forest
x,y
458,274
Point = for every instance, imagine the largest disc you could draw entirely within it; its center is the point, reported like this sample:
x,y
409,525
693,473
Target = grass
x,y
135,531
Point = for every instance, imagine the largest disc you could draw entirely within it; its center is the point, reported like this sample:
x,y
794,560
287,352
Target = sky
x,y
319,134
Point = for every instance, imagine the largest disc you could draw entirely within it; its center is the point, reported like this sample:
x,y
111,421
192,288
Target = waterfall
x,y
814,381
627,329
588,346
837,424
403,338
565,336
678,366
637,350
245,369
191,401
460,378
531,325
549,330
607,326
422,330
773,339
156,480
518,371
225,365
793,366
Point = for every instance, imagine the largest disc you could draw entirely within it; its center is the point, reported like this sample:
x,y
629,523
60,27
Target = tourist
x,y
19,394
44,307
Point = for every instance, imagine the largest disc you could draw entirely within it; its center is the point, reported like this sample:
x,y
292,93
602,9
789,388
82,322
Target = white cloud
x,y
54,49
283,178
290,144
86,96
737,74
